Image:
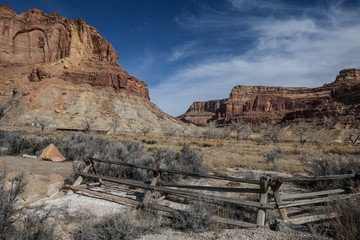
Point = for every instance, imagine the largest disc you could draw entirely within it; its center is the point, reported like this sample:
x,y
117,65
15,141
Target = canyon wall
x,y
36,38
337,102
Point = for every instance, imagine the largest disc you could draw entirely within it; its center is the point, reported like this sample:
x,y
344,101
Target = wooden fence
x,y
267,188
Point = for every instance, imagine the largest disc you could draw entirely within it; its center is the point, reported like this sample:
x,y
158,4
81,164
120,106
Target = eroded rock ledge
x,y
337,102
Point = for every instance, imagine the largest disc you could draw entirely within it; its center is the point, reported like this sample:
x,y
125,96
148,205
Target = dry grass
x,y
222,154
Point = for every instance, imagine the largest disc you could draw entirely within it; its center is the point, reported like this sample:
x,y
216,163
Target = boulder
x,y
51,153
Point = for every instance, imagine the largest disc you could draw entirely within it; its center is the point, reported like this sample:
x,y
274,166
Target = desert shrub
x,y
273,157
127,152
186,159
129,225
8,210
346,225
196,219
29,224
34,225
342,165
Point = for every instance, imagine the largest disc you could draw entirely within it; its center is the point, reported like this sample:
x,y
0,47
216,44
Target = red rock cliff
x,y
34,37
338,101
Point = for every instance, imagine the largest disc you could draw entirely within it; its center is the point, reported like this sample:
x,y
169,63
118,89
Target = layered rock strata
x,y
338,103
34,37
62,73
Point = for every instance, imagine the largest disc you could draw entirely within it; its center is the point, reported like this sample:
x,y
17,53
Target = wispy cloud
x,y
306,48
184,51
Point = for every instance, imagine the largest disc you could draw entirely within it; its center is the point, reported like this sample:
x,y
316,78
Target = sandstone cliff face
x,y
200,112
34,37
62,72
338,102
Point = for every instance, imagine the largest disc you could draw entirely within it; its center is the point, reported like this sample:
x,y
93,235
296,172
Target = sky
x,y
198,50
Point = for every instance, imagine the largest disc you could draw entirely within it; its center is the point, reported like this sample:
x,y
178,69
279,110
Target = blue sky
x,y
197,50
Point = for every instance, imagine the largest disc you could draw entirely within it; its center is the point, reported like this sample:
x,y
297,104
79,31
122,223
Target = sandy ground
x,y
34,166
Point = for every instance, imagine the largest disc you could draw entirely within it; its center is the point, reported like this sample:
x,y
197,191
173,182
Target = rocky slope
x,y
64,72
335,105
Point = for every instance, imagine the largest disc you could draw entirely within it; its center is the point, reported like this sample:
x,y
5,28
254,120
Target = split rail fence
x,y
267,188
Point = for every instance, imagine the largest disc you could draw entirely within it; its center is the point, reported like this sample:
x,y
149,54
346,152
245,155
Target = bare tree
x,y
301,130
169,131
211,131
270,132
224,133
88,124
115,122
185,132
242,129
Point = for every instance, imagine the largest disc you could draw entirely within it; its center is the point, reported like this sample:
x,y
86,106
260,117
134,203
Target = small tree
x,y
115,122
211,131
270,132
243,130
185,132
169,131
301,130
224,133
88,124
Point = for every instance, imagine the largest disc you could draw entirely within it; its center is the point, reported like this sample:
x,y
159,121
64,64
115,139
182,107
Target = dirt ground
x,y
35,166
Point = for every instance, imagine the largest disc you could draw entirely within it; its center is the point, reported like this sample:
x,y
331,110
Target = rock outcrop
x,y
337,103
34,37
62,73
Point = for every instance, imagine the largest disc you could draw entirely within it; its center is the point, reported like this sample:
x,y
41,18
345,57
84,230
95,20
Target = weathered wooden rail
x,y
267,188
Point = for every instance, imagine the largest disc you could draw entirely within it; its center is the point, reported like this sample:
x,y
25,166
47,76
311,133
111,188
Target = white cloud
x,y
184,51
296,51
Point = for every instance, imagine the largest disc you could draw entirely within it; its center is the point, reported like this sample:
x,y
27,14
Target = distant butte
x,y
337,103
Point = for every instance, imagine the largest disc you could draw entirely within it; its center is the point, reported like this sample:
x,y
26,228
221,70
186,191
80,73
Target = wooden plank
x,y
130,202
215,189
261,214
232,222
119,199
312,194
287,204
233,179
278,202
148,193
90,184
81,178
193,195
314,218
318,178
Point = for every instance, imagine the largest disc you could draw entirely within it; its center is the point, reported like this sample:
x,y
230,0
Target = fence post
x,y
155,182
278,201
79,180
261,214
